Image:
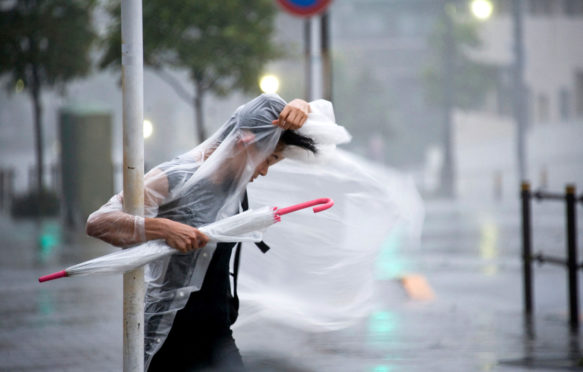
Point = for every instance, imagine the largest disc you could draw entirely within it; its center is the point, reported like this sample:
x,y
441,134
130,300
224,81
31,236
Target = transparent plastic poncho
x,y
197,188
320,273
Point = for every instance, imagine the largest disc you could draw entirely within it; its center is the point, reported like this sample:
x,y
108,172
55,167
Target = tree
x,y
222,44
471,79
44,44
458,81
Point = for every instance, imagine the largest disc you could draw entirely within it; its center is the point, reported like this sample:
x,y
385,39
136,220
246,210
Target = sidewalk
x,y
469,256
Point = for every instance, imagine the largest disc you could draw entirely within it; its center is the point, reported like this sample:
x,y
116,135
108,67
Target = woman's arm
x,y
112,225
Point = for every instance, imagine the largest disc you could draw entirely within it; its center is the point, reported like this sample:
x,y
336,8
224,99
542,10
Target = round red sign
x,y
304,8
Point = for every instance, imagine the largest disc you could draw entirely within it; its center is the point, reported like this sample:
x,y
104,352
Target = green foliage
x,y
472,80
45,43
223,44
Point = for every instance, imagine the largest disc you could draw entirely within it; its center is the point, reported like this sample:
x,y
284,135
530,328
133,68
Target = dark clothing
x,y
201,338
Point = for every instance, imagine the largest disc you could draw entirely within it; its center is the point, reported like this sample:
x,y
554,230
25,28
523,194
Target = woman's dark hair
x,y
290,137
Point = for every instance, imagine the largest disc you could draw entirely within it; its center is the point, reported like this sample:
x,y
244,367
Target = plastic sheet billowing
x,y
198,188
320,272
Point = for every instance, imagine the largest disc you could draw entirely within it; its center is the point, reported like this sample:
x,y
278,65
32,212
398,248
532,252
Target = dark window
x,y
564,104
503,7
504,92
573,7
540,7
579,94
542,108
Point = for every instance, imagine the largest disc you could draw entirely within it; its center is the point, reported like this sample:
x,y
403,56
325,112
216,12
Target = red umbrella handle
x,y
326,203
53,276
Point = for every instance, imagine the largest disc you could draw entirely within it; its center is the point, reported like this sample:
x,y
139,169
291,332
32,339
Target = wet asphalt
x,y
469,255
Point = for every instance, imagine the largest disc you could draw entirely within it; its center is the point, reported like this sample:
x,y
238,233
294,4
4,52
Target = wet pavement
x,y
469,256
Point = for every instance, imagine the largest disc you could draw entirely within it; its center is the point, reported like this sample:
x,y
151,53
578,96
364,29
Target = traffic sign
x,y
304,8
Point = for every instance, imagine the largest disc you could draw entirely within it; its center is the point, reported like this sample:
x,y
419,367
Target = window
x,y
540,7
573,7
504,92
503,7
579,94
542,108
564,105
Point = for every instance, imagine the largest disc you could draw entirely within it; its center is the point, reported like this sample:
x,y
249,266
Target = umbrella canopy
x,y
243,227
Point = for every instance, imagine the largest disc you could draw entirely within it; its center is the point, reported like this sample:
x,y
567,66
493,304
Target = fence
x,y
571,263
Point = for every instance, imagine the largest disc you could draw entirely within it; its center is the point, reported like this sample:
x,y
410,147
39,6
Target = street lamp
x,y
269,84
148,128
481,9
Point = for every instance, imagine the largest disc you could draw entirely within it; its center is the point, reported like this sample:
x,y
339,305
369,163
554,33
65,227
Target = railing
x,y
571,263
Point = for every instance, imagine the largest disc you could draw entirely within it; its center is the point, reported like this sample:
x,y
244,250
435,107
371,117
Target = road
x,y
469,257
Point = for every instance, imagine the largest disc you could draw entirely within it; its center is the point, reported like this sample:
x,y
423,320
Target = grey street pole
x,y
133,175
307,59
519,102
447,176
326,56
315,58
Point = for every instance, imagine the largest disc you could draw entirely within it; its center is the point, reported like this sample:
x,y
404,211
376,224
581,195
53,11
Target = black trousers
x,y
218,354
201,338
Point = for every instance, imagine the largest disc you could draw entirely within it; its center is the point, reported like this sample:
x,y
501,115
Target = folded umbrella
x,y
245,226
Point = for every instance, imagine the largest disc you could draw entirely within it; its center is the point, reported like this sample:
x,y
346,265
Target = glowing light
x,y
269,84
381,327
148,128
19,87
482,9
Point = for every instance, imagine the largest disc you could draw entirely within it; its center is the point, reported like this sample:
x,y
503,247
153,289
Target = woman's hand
x,y
293,115
177,235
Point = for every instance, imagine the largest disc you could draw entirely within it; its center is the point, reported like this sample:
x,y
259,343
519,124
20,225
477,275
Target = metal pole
x,y
133,175
2,191
307,61
572,266
326,57
447,176
315,59
526,248
519,111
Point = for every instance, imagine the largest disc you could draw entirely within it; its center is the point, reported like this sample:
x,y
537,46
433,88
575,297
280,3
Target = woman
x,y
189,307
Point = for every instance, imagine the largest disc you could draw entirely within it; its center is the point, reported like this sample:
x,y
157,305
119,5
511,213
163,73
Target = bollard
x,y
525,196
572,265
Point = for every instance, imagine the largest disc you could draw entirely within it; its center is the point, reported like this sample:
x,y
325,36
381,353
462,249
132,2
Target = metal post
x,y
525,196
326,57
2,189
307,64
448,90
315,59
10,186
519,111
572,266
133,175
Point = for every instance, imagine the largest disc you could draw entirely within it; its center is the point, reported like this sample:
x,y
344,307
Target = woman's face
x,y
272,159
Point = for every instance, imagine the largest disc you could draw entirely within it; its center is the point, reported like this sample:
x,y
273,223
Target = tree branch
x,y
176,85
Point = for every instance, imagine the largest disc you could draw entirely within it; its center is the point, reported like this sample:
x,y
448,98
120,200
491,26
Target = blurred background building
x,y
485,137
426,87
384,55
